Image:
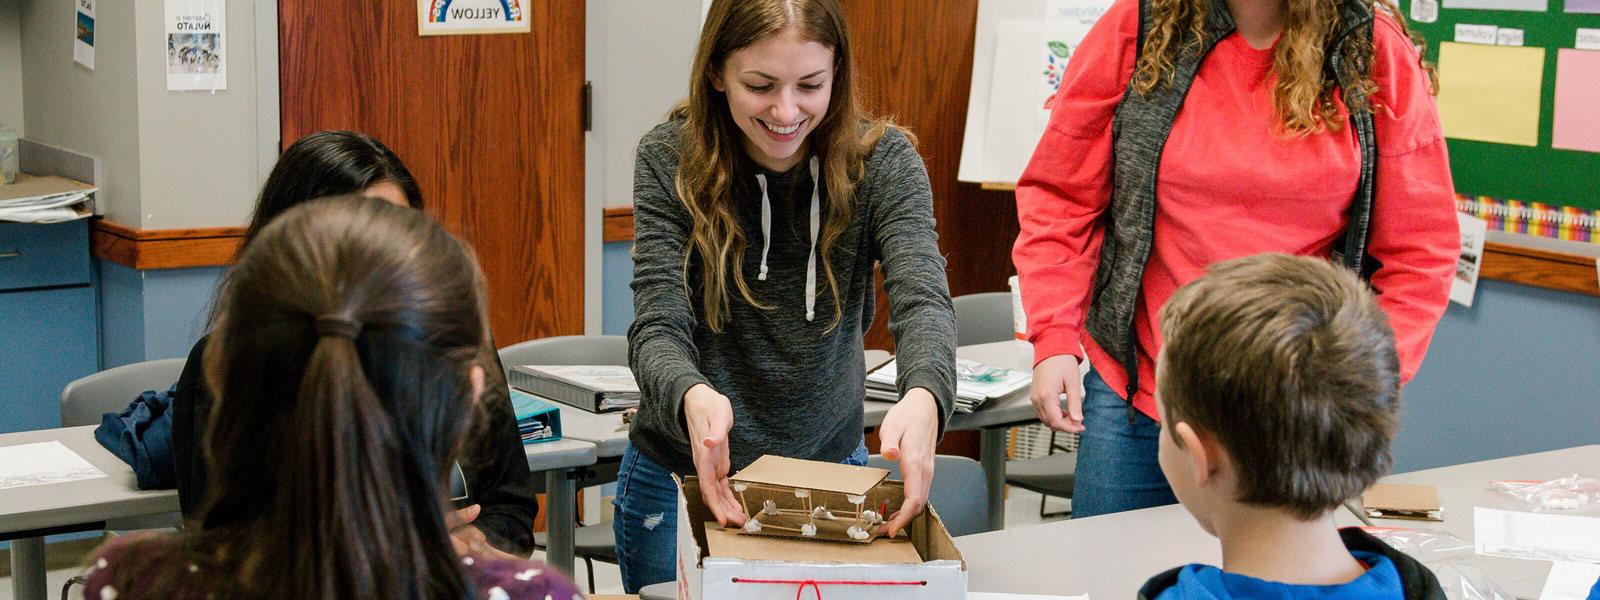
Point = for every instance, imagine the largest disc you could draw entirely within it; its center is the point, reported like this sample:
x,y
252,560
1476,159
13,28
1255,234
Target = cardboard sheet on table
x,y
793,472
1490,93
1397,501
1576,124
883,551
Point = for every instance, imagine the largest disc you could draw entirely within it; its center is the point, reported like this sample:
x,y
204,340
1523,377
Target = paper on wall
x,y
466,17
43,463
1588,39
83,37
1525,5
1490,93
1576,123
1029,60
197,45
1083,11
1506,36
1583,6
1536,536
1425,11
1570,581
1468,33
1473,233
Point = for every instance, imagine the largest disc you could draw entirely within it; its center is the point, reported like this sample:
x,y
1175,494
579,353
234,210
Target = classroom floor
x,y
1022,508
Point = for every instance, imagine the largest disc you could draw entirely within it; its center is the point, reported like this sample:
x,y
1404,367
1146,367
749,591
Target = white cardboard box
x,y
941,575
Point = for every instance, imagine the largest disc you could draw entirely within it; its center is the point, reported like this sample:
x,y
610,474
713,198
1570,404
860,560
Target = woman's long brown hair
x,y
1303,97
329,452
711,147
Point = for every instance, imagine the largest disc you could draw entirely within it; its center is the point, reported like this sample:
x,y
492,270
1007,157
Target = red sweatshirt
x,y
1232,185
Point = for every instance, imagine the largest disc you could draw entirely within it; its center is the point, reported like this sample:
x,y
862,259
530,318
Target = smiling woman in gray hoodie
x,y
761,208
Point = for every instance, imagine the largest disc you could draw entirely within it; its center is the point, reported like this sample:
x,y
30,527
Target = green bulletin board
x,y
1531,174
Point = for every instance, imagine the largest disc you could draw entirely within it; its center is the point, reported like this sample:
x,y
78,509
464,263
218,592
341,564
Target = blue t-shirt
x,y
1204,582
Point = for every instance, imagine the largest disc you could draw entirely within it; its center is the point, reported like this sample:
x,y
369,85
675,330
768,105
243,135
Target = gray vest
x,y
1138,134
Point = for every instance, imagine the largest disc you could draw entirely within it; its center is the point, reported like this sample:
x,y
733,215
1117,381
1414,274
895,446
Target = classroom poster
x,y
1029,60
470,17
83,39
1473,233
1490,93
197,45
1577,124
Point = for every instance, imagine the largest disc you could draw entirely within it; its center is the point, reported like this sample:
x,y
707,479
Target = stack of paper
x,y
44,200
971,390
537,421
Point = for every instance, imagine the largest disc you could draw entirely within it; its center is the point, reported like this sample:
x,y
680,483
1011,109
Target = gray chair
x,y
1050,475
956,483
983,318
666,590
590,542
84,401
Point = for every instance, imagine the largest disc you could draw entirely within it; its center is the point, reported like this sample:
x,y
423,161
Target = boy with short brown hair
x,y
1278,387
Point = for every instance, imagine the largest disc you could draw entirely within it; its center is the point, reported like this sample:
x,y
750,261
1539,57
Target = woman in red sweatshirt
x,y
1240,127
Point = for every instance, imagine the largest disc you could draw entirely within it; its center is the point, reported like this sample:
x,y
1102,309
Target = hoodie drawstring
x,y
816,224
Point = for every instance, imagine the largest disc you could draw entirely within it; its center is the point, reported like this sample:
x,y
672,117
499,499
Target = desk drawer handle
x,y
10,253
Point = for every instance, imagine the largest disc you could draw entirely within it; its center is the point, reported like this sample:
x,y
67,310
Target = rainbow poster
x,y
1533,218
469,17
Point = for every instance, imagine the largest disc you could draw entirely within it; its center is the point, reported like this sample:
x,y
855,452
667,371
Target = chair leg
x,y
78,580
589,566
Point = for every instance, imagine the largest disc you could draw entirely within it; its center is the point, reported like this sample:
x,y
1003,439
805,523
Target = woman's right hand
x,y
1056,379
709,417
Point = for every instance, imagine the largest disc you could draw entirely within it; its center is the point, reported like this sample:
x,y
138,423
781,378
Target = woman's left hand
x,y
909,433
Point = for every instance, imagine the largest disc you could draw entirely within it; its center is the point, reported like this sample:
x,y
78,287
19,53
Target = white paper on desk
x,y
1536,536
1570,581
1465,284
43,463
1000,596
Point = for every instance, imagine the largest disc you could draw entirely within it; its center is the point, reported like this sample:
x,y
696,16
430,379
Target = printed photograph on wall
x,y
196,45
1474,232
83,37
470,17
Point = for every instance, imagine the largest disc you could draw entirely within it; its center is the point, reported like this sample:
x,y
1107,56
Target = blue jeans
x,y
646,523
1117,466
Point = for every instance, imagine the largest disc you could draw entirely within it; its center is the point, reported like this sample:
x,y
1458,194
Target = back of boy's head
x,y
1289,364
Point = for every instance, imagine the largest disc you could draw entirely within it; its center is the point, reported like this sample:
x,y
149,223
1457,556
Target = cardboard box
x,y
719,564
1397,501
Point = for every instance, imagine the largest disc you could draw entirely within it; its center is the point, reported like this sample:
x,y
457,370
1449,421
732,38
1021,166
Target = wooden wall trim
x,y
1541,268
618,224
145,249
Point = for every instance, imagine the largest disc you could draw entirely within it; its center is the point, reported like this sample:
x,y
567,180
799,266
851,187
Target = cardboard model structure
x,y
809,499
781,560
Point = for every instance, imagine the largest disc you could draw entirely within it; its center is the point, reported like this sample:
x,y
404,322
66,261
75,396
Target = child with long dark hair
x,y
347,364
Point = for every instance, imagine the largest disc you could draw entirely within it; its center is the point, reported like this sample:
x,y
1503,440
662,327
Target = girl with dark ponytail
x,y
347,368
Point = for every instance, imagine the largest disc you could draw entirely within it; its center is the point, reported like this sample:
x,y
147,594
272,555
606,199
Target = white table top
x,y
78,502
604,430
1111,556
564,453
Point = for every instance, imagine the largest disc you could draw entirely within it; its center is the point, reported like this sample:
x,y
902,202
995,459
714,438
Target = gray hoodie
x,y
796,387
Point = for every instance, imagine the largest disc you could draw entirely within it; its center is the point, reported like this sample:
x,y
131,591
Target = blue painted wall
x,y
616,273
1518,372
149,315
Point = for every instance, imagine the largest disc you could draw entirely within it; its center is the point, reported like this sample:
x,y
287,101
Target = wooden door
x,y
490,125
914,63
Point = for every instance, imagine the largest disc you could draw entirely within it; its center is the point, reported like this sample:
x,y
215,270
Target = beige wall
x,y
639,69
90,112
11,66
170,159
197,149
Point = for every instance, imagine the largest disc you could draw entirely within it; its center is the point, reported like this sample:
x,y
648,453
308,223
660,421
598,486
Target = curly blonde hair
x,y
1303,96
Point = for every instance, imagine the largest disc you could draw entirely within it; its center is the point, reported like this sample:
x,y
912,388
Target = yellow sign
x,y
1490,93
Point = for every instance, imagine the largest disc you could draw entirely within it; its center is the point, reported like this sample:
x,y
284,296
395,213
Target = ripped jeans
x,y
646,523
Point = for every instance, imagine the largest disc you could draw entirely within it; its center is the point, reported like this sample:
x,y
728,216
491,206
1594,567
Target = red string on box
x,y
816,585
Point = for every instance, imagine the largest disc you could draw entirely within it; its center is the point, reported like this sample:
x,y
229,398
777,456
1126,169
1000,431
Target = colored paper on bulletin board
x,y
1490,93
1527,5
1583,6
1577,123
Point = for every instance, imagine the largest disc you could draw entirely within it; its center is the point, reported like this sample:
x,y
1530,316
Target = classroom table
x,y
992,420
1110,556
27,514
556,459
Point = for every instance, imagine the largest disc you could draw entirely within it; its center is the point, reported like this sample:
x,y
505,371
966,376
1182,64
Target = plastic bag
x,y
1444,553
1570,495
